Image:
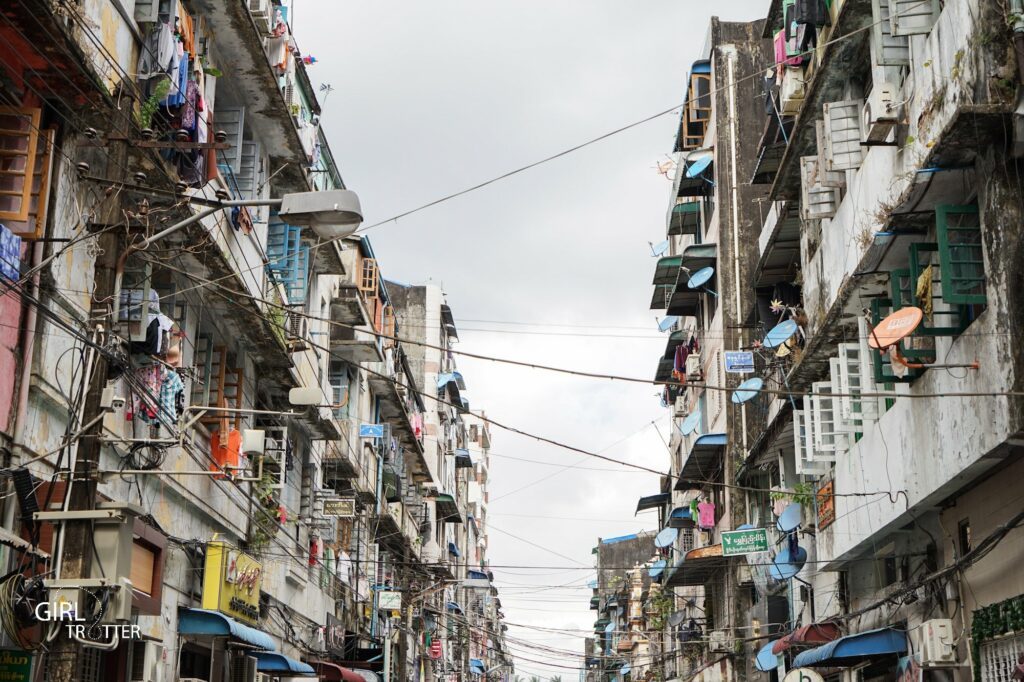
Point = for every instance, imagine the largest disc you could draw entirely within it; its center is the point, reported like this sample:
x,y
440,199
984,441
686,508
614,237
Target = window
x,y
19,140
368,277
287,259
998,658
963,536
960,254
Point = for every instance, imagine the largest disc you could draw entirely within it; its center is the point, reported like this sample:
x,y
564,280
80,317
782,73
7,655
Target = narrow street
x,y
577,341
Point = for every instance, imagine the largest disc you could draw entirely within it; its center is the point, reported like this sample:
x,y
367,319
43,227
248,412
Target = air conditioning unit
x,y
878,117
681,408
717,641
147,662
792,90
935,643
296,326
694,368
261,12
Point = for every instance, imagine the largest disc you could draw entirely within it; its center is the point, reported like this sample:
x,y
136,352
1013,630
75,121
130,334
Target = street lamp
x,y
332,214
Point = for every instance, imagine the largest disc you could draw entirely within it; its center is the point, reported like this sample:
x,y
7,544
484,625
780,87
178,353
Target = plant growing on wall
x,y
152,103
802,494
267,520
660,608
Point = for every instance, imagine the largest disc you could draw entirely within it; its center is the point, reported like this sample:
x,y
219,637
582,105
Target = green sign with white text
x,y
15,665
740,542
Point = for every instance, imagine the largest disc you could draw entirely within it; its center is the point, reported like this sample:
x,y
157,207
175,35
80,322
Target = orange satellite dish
x,y
895,328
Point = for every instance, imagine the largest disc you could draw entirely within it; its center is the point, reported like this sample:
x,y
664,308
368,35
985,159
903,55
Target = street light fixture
x,y
332,214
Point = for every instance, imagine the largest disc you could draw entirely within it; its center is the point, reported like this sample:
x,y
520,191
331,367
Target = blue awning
x,y
213,623
454,607
268,662
477,575
853,649
766,660
463,460
681,518
453,549
476,666
703,463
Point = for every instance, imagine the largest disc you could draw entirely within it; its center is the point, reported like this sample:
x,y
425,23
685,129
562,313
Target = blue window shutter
x,y
288,259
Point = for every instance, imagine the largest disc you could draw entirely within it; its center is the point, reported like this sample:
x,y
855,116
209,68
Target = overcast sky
x,y
433,97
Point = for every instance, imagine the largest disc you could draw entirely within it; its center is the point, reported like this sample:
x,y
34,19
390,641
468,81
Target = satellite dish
x,y
659,248
677,618
666,537
745,526
656,568
667,323
785,566
747,390
306,395
701,277
789,519
690,423
895,328
626,669
779,334
694,169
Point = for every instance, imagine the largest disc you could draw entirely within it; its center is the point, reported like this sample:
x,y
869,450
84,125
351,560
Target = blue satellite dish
x,y
667,323
690,423
659,248
789,519
779,334
626,669
766,660
747,390
694,169
666,537
786,566
701,277
656,568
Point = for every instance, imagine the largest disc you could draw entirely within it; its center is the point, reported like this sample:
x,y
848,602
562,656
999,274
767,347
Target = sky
x,y
549,266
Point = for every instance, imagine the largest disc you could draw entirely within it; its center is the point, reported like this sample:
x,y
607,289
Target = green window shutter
x,y
961,254
946,319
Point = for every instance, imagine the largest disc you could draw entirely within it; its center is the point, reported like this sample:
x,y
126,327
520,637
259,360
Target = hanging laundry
x,y
282,514
694,511
706,515
812,13
10,254
923,292
172,391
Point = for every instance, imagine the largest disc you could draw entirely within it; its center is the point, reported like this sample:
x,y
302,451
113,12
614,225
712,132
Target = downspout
x,y
1016,20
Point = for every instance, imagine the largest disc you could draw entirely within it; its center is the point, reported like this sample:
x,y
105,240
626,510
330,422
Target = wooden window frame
x,y
154,541
34,116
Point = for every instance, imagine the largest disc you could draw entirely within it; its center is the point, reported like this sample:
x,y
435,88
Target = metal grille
x,y
999,658
89,665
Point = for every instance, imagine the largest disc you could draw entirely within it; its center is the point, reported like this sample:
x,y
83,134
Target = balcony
x,y
352,336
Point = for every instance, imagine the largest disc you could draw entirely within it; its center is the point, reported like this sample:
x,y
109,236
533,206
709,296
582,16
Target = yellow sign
x,y
231,583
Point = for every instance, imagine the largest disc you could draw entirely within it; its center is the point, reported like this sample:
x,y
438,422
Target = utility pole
x,y
76,558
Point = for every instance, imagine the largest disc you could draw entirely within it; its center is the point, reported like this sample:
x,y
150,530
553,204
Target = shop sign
x,y
435,649
371,430
740,542
803,675
334,636
826,500
340,507
739,361
389,600
231,583
15,665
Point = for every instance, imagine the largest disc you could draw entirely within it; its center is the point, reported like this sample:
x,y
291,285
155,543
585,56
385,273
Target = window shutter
x,y
245,178
961,254
232,122
816,201
826,178
887,49
368,276
19,139
842,135
856,380
34,227
803,441
288,259
913,17
827,439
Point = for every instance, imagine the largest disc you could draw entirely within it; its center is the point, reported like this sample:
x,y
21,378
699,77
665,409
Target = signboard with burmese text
x,y
231,583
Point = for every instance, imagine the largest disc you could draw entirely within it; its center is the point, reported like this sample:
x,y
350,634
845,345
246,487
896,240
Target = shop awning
x,y
853,649
271,662
667,270
808,635
702,464
697,567
214,624
453,549
680,518
463,460
332,672
447,509
766,660
684,218
652,501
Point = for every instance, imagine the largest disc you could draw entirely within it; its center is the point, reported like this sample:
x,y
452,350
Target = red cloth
x,y
225,455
